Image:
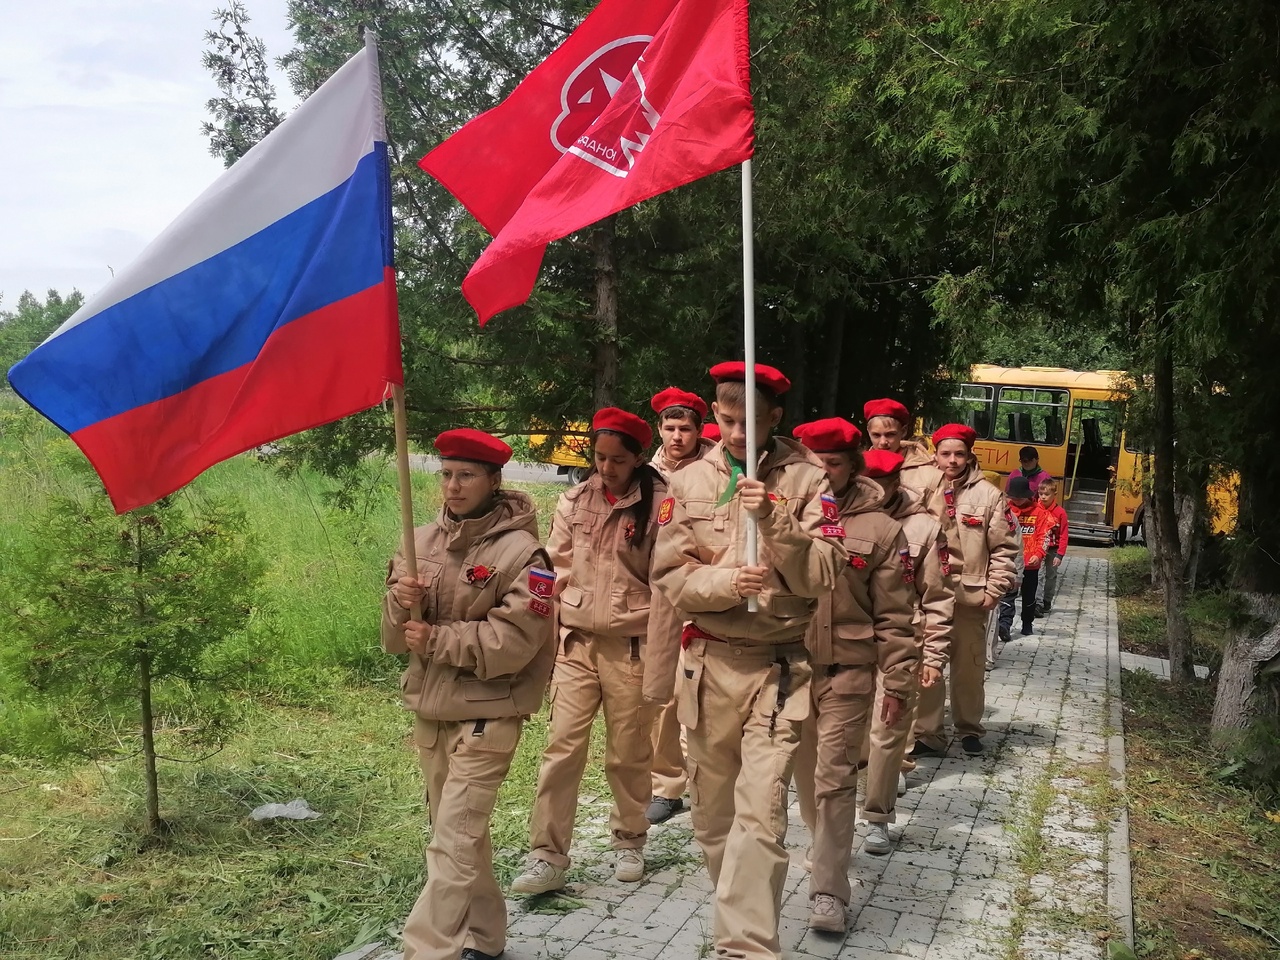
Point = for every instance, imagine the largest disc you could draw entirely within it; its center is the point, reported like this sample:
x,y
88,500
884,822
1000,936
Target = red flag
x,y
640,99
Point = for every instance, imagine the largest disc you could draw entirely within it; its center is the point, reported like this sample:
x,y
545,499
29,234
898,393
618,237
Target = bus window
x,y
971,405
1031,415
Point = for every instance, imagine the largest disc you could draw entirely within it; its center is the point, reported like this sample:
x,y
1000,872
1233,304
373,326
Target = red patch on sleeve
x,y
833,530
908,566
944,558
542,583
830,509
665,509
540,607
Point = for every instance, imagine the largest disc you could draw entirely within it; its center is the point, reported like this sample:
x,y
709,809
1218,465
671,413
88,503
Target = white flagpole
x,y
749,338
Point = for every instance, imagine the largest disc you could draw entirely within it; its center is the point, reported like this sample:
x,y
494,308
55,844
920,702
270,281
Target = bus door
x,y
1127,494
1093,452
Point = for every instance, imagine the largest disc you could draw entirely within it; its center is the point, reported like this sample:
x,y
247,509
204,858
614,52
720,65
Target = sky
x,y
101,103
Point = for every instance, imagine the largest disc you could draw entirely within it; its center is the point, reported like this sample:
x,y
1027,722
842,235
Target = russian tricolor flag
x,y
267,308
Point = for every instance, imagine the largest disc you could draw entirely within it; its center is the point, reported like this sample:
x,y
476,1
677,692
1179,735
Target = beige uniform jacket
x,y
981,536
868,617
935,589
605,586
919,471
488,598
668,467
702,544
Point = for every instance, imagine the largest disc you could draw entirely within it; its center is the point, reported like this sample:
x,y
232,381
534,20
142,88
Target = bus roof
x,y
1105,381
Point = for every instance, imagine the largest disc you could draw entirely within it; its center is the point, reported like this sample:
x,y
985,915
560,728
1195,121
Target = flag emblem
x,y
830,509
541,582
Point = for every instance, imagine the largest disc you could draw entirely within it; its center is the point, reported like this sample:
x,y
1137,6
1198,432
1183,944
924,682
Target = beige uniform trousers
x,y
669,776
741,754
966,682
463,765
591,672
827,772
884,753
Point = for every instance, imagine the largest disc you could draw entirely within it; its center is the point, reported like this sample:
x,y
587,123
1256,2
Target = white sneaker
x,y
539,877
878,839
902,785
629,867
827,913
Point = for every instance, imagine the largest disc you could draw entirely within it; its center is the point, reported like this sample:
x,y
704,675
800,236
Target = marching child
x,y
618,643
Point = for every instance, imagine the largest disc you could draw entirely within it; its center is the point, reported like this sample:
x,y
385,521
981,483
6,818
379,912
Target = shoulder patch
x,y
665,509
833,530
830,509
540,607
542,583
908,566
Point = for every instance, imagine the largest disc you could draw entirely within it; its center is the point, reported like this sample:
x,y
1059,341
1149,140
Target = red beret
x,y
711,431
619,421
468,444
833,435
886,408
955,431
882,463
675,397
767,378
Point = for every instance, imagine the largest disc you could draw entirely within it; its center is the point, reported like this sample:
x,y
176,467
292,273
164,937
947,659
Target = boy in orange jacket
x,y
1036,526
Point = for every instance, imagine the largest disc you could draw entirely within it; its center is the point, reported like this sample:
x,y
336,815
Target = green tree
x,y
29,325
119,625
245,111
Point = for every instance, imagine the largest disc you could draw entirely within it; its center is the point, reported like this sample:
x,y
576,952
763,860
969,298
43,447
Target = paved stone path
x,y
1022,853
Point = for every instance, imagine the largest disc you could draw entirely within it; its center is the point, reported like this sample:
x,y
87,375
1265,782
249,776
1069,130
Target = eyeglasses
x,y
464,477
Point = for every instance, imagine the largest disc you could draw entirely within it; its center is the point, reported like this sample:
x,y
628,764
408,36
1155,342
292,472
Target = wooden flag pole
x,y
749,338
406,489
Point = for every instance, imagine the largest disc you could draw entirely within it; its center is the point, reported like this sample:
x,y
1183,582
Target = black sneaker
x,y
1039,614
922,749
1026,628
662,809
971,745
471,953
1003,633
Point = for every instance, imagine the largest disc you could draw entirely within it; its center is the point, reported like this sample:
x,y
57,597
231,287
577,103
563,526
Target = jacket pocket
x,y
571,596
639,600
857,681
495,689
790,607
689,692
972,590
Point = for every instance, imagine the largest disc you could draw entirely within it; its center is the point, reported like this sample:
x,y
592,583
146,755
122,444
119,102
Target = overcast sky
x,y
101,103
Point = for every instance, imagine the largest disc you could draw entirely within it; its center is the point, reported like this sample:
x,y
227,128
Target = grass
x,y
322,721
1214,614
77,880
1205,853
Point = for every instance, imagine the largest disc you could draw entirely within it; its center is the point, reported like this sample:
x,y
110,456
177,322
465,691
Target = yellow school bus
x,y
1075,420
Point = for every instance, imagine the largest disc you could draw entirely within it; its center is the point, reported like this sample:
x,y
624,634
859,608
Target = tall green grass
x,y
317,625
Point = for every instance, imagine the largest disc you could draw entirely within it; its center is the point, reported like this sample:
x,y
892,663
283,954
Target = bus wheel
x,y
578,474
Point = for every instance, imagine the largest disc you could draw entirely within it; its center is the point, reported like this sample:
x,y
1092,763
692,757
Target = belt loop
x,y
635,648
478,729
